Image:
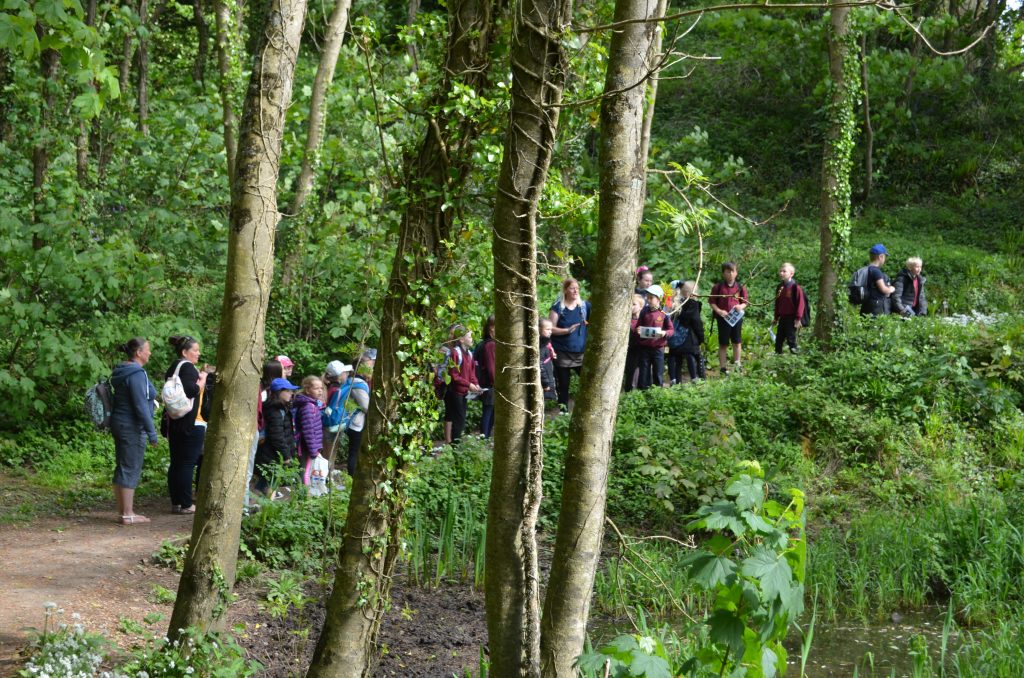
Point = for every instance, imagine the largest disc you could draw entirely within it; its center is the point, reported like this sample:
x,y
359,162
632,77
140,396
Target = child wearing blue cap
x,y
279,446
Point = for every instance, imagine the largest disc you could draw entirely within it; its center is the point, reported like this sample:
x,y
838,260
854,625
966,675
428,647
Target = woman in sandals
x,y
187,433
131,423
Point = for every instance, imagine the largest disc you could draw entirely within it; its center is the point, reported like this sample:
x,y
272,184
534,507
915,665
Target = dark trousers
x,y
787,334
562,377
676,358
354,440
652,364
487,416
186,459
455,412
631,363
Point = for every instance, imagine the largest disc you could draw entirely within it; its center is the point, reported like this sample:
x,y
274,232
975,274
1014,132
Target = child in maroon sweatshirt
x,y
653,330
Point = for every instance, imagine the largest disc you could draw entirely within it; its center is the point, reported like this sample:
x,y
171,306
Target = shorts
x,y
728,334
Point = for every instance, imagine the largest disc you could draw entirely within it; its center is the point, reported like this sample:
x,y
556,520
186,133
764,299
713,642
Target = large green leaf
x,y
709,570
727,629
772,571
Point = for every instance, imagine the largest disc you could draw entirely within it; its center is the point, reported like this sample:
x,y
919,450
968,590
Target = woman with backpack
x,y
568,336
185,432
483,354
131,423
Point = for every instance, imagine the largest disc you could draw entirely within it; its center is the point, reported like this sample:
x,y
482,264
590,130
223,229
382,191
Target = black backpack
x,y
857,290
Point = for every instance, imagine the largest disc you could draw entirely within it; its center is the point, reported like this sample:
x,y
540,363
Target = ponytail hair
x,y
132,347
181,343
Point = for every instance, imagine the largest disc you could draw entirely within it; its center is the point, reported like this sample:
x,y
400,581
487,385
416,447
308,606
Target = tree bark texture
x,y
226,37
203,36
336,26
539,67
209,573
142,90
434,174
623,168
837,163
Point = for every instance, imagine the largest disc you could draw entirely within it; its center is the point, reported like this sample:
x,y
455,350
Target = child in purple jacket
x,y
309,427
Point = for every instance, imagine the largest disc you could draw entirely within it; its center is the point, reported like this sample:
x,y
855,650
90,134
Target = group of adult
x,y
293,423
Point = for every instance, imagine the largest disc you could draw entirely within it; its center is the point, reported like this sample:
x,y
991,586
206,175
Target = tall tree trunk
x,y
623,169
837,162
227,36
209,573
203,48
539,67
317,110
49,61
412,11
435,174
142,90
124,69
869,132
82,142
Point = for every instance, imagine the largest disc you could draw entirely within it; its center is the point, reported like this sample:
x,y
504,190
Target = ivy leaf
x,y
709,571
772,571
727,629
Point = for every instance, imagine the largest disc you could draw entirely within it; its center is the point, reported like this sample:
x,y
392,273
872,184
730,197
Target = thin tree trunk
x,y
869,132
652,86
209,573
203,35
539,67
413,11
435,174
82,142
125,67
49,62
226,37
336,25
142,90
837,163
623,169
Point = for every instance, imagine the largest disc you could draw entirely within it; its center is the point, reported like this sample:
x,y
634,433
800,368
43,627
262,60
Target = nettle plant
x,y
754,564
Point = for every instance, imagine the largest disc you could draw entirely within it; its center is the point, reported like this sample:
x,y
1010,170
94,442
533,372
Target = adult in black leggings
x,y
187,433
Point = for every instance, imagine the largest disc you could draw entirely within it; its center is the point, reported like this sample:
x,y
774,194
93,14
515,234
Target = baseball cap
x,y
336,368
282,384
656,291
285,361
879,249
370,354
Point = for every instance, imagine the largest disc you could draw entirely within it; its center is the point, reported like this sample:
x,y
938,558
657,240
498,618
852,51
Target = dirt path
x,y
87,565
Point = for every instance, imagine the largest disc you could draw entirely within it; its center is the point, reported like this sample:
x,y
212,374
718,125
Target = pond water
x,y
839,647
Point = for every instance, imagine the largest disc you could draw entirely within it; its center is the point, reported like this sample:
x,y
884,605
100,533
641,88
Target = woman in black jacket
x,y
690,320
186,434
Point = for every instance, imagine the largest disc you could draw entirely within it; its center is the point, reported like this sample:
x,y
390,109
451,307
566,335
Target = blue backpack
x,y
679,335
341,407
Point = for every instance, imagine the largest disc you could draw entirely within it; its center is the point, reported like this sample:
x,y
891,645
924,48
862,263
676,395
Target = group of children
x,y
303,424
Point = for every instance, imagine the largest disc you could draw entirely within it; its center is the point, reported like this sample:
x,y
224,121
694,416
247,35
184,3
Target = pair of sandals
x,y
134,519
183,509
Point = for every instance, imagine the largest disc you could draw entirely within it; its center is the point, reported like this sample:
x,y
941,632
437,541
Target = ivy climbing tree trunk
x,y
837,163
513,598
869,132
209,573
228,41
336,25
434,176
623,169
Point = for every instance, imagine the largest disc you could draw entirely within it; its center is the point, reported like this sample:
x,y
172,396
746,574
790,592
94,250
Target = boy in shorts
x,y
726,295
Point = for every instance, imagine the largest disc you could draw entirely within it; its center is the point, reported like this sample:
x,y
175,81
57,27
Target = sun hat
x,y
336,368
282,384
656,291
285,361
879,249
